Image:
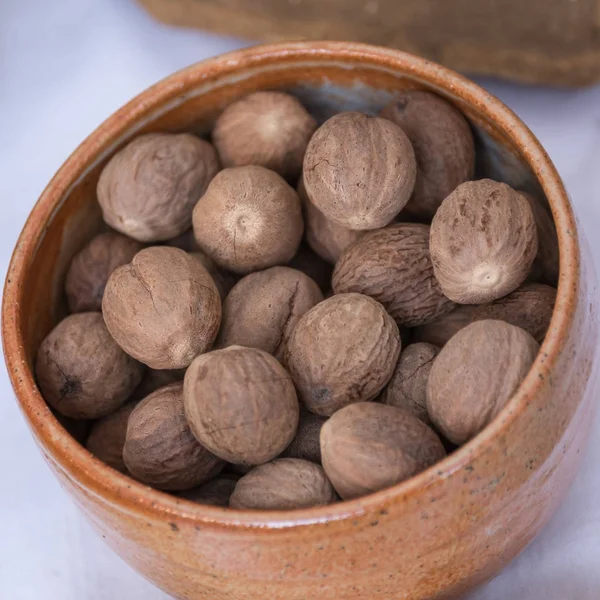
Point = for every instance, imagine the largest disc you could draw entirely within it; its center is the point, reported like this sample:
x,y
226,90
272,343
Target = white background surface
x,y
65,66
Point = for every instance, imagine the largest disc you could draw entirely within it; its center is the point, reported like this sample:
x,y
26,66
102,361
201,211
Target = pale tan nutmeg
x,y
359,171
343,350
107,437
248,219
284,484
324,236
367,447
149,188
545,265
80,370
530,307
91,267
483,242
443,145
241,404
393,266
474,376
160,449
263,308
269,129
163,308
407,389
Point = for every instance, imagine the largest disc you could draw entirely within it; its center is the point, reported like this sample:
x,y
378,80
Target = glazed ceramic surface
x,y
435,536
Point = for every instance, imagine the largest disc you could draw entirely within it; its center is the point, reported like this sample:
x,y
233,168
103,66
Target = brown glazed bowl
x,y
435,536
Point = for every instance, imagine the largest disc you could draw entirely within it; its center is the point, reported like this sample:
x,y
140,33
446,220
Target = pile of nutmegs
x,y
205,354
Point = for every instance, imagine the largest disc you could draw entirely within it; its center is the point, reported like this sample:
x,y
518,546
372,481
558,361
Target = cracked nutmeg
x,y
241,404
248,219
149,188
343,350
80,370
163,308
263,308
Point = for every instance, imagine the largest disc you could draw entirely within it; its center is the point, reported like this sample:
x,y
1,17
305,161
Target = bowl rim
x,y
118,490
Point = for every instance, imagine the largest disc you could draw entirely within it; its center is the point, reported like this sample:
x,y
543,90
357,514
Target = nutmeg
x,y
343,350
306,441
393,267
529,307
223,279
81,371
163,308
160,449
443,145
367,447
215,492
483,242
263,308
407,389
474,376
248,219
241,404
269,129
107,437
284,484
324,236
359,171
91,267
149,188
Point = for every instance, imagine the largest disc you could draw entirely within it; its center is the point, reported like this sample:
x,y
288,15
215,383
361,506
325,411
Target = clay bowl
x,y
435,536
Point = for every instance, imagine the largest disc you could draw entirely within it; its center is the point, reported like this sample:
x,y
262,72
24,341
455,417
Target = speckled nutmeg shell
x,y
160,449
407,389
149,188
241,404
368,446
263,308
248,219
91,267
270,129
483,242
163,308
529,307
343,350
324,236
443,145
359,171
474,376
80,370
393,267
284,484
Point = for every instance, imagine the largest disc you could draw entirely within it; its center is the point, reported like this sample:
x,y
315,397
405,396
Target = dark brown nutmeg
x,y
91,267
306,441
367,447
393,267
324,236
483,242
359,171
160,449
407,389
107,437
269,129
474,376
215,492
343,350
248,219
80,370
530,307
149,188
284,484
163,308
263,308
443,145
241,404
